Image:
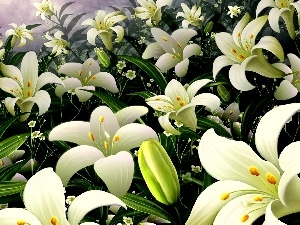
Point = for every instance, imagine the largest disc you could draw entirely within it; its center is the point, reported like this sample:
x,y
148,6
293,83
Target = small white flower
x,y
32,123
121,65
35,134
136,152
167,133
234,11
127,220
45,8
130,74
19,33
191,16
148,85
70,199
196,169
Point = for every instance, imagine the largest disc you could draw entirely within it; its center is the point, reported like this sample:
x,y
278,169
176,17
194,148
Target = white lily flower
x,y
179,104
150,10
290,86
45,8
249,186
280,8
44,200
173,51
234,11
58,44
103,26
191,16
85,76
19,33
243,54
25,85
104,142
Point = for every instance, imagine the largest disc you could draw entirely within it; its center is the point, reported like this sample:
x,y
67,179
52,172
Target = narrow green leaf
x,y
81,183
11,187
144,205
73,22
7,48
63,8
143,94
11,144
224,94
152,71
10,198
6,123
29,27
208,180
188,133
140,48
205,124
7,172
16,58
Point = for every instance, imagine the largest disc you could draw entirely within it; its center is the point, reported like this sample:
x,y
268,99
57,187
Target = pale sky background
x,y
22,11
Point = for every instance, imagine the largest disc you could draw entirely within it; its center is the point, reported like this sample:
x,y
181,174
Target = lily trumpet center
x,y
105,144
22,92
176,54
87,77
283,3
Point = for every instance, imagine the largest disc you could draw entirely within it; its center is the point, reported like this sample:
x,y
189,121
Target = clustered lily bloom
x,y
104,142
85,76
104,26
280,8
234,11
249,186
290,86
173,51
179,104
44,200
19,33
191,16
150,10
45,8
25,85
58,44
243,54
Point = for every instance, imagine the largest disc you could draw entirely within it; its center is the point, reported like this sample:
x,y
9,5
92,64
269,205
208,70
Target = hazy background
x,y
23,11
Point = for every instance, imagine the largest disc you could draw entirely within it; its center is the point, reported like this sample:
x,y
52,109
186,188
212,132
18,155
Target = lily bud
x,y
208,27
102,57
158,172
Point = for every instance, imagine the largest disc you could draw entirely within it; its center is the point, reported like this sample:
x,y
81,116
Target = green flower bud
x,y
208,27
102,57
158,172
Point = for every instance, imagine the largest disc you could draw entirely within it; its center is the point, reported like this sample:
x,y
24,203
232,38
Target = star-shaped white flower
x,y
104,142
85,76
44,200
179,104
191,16
58,44
19,33
151,10
280,8
243,54
45,8
234,11
249,186
104,26
25,85
173,51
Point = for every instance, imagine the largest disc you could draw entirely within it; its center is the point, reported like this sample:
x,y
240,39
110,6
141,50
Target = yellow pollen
x,y
224,196
158,107
281,4
164,38
54,220
271,178
101,119
233,51
101,28
16,78
116,138
179,45
258,198
28,84
11,90
94,77
251,36
91,136
1,162
244,218
178,98
240,57
85,79
89,63
230,112
254,170
157,99
106,145
173,56
29,93
170,107
80,72
21,222
182,103
239,34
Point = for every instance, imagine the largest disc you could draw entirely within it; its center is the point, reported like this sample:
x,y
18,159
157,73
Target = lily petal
x,y
177,93
285,91
76,132
10,104
76,159
264,4
119,30
238,78
274,16
91,35
116,171
166,62
196,86
10,86
183,36
71,69
29,70
42,99
166,125
47,78
104,80
69,84
182,67
153,50
165,40
213,198
10,216
12,72
44,197
161,3
190,50
219,63
271,123
90,67
129,114
82,95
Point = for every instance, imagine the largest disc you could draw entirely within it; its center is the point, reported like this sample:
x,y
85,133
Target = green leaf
x,y
29,27
16,58
73,22
140,48
169,20
6,123
144,205
114,103
11,144
135,215
11,187
188,133
143,94
7,172
152,71
253,111
63,8
10,198
204,123
224,94
208,180
81,183
7,48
